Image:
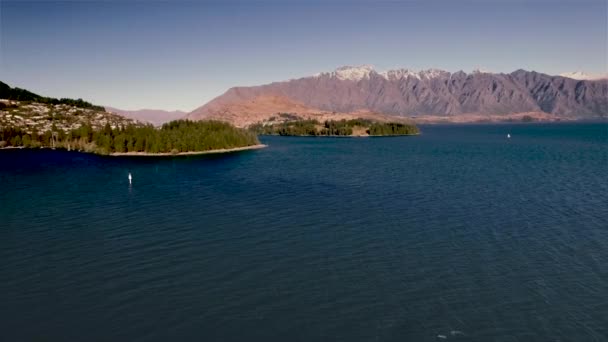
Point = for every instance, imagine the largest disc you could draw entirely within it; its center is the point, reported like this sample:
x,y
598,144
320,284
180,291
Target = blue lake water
x,y
459,234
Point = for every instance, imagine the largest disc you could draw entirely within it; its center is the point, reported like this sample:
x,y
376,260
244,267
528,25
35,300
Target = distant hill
x,y
156,117
29,116
18,94
419,94
33,114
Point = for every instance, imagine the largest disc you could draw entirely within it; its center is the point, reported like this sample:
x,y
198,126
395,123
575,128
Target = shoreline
x,y
514,122
144,154
12,147
190,153
341,136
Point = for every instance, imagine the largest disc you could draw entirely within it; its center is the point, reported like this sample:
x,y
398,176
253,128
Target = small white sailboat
x,y
130,178
508,136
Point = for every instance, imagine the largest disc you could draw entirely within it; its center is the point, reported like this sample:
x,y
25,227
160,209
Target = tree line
x,y
333,128
392,128
173,137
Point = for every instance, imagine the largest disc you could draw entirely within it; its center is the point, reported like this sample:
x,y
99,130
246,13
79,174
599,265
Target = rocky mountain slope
x,y
276,109
437,93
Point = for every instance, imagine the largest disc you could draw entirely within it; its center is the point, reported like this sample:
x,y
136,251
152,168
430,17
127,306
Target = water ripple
x,y
457,233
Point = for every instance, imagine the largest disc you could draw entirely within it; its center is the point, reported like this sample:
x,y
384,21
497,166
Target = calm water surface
x,y
459,234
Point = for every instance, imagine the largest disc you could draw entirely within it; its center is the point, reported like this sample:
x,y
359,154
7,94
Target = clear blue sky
x,y
178,55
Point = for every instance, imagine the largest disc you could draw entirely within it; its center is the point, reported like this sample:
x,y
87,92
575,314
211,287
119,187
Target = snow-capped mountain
x,y
481,71
351,73
399,74
405,92
580,75
358,73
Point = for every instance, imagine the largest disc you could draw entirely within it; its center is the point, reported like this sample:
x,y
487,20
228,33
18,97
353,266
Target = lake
x,y
458,234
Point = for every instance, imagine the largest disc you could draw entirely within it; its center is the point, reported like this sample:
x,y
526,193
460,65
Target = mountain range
x,y
415,94
156,117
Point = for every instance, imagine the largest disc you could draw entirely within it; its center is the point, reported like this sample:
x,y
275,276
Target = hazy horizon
x,y
178,56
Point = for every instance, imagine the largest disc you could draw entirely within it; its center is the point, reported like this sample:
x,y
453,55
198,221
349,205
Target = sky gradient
x,y
179,55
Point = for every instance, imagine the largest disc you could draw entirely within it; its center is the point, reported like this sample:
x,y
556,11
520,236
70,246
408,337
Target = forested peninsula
x,y
355,127
28,120
174,138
